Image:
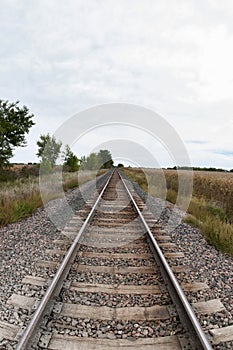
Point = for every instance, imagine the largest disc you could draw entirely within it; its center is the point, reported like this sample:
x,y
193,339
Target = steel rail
x,y
199,338
57,281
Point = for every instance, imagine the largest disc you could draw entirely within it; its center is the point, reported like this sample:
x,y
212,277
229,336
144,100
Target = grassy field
x,y
211,206
21,197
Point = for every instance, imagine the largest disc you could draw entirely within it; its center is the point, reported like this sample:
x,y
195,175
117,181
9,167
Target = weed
x,y
19,198
211,205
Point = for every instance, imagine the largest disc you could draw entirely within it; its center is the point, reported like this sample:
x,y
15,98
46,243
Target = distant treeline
x,y
200,169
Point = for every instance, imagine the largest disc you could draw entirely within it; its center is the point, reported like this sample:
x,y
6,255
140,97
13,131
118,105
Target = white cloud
x,y
215,66
174,57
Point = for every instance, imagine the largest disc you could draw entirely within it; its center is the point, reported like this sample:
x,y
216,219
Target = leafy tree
x,y
15,122
92,162
48,150
82,162
120,165
71,161
100,160
105,159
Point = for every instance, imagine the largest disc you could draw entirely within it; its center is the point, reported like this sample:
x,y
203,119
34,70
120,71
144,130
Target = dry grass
x,y
20,198
72,180
215,188
211,206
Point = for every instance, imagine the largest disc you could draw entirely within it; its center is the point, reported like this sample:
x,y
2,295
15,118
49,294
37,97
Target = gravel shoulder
x,y
208,264
25,242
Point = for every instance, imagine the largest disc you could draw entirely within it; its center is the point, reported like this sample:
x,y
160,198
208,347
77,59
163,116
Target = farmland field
x,y
21,197
211,205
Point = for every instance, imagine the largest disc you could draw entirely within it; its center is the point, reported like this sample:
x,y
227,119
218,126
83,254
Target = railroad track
x,y
115,285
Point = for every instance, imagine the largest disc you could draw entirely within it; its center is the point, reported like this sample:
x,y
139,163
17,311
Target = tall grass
x,y
211,205
21,197
18,199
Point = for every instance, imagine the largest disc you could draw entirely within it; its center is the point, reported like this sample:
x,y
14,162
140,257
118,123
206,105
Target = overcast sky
x,y
173,57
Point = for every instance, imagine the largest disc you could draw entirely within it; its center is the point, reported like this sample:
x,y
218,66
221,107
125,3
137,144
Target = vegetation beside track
x,y
211,205
20,197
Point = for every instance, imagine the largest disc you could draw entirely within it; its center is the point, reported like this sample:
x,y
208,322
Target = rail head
x,y
196,332
57,281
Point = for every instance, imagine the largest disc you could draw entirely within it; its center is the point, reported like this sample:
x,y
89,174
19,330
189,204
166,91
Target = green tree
x,y
92,162
15,122
83,163
105,159
100,160
71,161
48,150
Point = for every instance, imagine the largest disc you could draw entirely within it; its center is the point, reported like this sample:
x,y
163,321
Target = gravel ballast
x,y
208,264
23,243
